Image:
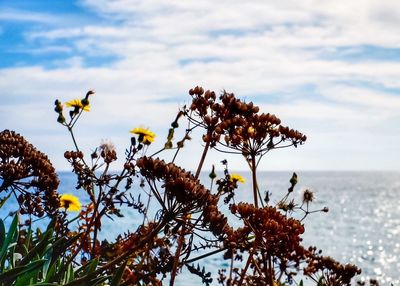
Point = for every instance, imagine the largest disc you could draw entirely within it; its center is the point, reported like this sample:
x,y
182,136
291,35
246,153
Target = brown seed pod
x,y
19,160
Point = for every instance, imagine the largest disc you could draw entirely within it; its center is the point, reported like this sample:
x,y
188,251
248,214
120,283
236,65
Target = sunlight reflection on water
x,y
362,226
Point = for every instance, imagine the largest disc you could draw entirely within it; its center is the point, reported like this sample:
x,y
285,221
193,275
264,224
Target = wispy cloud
x,y
323,63
14,15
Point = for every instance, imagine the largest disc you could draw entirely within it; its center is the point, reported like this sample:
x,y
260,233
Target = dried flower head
x,y
185,193
238,123
108,151
24,168
274,232
308,196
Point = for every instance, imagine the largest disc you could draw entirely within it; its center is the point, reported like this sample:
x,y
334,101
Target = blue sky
x,y
328,69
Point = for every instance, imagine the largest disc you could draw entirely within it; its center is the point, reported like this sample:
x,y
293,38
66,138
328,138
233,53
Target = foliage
x,y
187,225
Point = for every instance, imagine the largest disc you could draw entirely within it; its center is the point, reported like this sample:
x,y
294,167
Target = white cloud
x,y
25,16
251,49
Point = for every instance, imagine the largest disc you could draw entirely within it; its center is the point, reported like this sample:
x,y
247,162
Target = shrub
x,y
187,225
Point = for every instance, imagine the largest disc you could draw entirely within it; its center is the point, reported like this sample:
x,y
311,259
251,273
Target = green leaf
x,y
52,224
98,280
28,237
118,275
69,274
12,274
90,267
3,200
49,274
46,266
2,232
91,281
25,279
301,283
45,284
39,248
11,237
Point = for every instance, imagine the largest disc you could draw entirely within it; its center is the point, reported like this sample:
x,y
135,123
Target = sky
x,y
329,69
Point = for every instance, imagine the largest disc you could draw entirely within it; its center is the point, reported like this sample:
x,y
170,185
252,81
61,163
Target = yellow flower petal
x,y
145,135
237,178
77,103
70,202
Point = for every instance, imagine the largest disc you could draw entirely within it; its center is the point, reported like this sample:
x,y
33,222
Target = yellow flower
x,y
78,103
145,135
237,178
70,202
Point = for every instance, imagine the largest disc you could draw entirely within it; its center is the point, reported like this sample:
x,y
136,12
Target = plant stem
x,y
177,254
271,273
254,177
73,138
204,255
245,268
203,157
120,258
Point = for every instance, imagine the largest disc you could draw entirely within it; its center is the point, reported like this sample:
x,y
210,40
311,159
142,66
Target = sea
x,y
362,226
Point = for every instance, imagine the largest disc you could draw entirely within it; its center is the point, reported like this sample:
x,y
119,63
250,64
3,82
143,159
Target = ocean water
x,y
362,226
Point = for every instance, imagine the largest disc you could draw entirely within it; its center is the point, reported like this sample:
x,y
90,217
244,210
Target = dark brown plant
x,y
28,174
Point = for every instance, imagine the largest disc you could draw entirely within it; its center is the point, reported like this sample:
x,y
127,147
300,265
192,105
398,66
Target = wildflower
x,y
78,104
145,135
308,196
107,151
237,178
107,146
70,202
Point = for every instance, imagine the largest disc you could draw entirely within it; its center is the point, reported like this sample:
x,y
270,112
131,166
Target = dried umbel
x,y
333,272
270,233
153,258
240,124
23,168
184,192
236,127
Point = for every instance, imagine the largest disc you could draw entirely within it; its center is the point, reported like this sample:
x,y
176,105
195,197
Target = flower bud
x,y
293,179
85,101
59,107
90,92
170,134
168,145
212,175
67,155
61,119
180,144
175,124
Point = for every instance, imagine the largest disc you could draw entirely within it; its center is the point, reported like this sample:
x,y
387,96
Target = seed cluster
x,y
190,195
22,166
240,124
274,233
335,273
85,175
